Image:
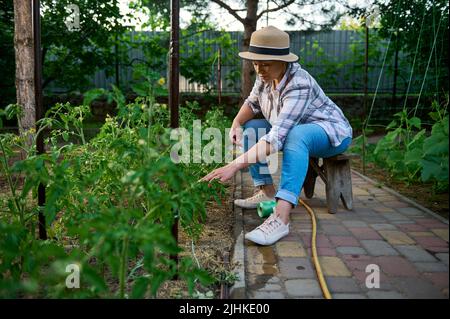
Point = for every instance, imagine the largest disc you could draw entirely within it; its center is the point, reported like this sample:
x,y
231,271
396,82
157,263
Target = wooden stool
x,y
335,173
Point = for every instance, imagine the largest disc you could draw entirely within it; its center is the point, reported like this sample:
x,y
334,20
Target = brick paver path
x,y
408,245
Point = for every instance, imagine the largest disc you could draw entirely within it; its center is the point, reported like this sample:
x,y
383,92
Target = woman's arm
x,y
257,153
245,114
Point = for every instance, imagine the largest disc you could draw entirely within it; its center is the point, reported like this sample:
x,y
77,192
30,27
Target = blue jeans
x,y
302,141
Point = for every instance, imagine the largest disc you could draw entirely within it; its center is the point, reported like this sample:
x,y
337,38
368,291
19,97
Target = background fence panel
x,y
334,58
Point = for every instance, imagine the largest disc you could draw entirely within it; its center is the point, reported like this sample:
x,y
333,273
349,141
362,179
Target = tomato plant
x,y
111,202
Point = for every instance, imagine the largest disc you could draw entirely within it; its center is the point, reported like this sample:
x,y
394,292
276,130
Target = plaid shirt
x,y
297,99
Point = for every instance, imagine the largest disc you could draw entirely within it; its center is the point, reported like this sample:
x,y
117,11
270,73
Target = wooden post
x,y
24,57
39,105
174,88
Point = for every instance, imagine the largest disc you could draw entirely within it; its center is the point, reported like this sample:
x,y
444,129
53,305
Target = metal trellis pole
x,y
174,88
366,75
219,75
394,88
39,105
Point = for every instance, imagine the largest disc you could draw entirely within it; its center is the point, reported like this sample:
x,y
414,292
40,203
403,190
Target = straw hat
x,y
269,43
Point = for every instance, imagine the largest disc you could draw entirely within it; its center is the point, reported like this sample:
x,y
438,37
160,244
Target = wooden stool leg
x,y
310,179
339,186
332,200
346,190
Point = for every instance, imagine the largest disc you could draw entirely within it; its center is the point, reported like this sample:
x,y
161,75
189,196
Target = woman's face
x,y
270,70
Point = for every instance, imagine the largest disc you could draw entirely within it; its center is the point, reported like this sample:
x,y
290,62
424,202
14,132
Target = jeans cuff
x,y
262,181
287,196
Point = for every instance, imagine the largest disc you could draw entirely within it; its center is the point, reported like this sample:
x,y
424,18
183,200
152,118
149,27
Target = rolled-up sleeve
x,y
293,105
254,97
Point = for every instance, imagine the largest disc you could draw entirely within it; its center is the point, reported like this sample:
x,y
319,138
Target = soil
x,y
212,250
422,193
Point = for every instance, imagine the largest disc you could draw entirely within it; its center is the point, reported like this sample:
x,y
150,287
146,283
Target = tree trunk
x,y
24,55
247,76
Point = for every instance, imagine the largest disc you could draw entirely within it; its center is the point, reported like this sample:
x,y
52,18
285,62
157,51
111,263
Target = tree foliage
x,y
420,26
7,87
71,56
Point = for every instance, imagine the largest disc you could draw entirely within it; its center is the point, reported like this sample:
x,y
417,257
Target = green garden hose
x,y
264,209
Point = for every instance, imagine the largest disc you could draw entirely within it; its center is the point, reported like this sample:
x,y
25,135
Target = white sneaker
x,y
269,232
252,202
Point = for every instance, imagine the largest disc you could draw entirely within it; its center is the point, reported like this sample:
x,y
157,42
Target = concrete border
x,y
406,199
239,289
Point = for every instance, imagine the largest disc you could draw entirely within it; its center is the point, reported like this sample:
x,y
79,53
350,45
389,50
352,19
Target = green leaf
x,y
141,88
445,122
118,96
429,169
140,288
436,148
395,155
415,121
413,157
94,279
13,110
434,115
29,183
157,279
391,136
94,94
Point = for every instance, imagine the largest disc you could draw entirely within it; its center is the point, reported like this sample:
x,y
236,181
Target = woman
x,y
299,119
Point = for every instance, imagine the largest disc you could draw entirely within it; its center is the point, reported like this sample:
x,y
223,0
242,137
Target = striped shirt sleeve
x,y
294,104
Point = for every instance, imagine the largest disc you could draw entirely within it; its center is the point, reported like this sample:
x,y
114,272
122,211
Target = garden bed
x,y
211,251
110,206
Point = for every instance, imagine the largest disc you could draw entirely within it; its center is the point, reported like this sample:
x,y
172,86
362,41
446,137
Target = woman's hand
x,y
235,134
223,173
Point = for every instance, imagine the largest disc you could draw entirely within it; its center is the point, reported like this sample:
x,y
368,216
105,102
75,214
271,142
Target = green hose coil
x,y
264,209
